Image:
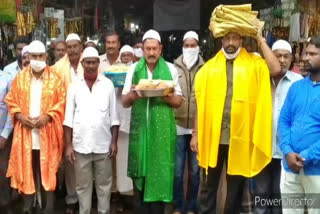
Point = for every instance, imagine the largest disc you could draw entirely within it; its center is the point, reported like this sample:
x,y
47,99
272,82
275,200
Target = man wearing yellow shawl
x,y
36,104
69,67
152,129
234,115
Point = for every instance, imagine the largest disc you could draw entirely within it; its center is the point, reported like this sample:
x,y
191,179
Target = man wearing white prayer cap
x,y
187,66
70,68
25,60
92,103
126,54
16,66
268,181
90,43
36,101
152,129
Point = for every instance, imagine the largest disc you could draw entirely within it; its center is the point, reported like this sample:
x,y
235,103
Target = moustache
x,y
231,47
73,54
151,57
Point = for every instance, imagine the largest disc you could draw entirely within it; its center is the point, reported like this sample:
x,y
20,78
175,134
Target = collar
x,y
312,82
105,58
179,62
290,76
99,77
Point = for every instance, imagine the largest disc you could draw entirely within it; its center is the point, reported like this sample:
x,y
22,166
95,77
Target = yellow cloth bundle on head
x,y
235,18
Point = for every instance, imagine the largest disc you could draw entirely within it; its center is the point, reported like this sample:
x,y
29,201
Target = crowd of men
x,y
67,122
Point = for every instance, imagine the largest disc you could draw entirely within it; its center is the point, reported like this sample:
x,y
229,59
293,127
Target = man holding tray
x,y
152,129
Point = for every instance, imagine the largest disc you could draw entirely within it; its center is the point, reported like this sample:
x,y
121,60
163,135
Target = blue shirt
x,y
299,125
13,68
279,94
5,119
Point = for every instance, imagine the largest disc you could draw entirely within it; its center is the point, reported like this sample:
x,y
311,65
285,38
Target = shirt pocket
x,y
104,112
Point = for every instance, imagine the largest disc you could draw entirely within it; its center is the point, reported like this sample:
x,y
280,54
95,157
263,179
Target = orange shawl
x,y
51,136
63,66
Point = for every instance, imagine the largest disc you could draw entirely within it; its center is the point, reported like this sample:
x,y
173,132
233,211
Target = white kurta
x,y
124,183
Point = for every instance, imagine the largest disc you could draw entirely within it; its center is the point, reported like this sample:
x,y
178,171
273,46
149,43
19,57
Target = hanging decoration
x,y
75,25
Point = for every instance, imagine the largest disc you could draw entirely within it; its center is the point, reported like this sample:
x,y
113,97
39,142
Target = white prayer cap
x,y
90,52
126,48
282,45
24,50
73,36
151,34
94,42
36,47
191,35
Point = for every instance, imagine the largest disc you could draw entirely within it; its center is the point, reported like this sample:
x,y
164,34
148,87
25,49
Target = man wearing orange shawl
x,y
36,103
69,67
234,116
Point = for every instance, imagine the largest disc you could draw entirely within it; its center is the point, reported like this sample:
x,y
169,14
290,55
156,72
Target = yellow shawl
x,y
251,113
63,66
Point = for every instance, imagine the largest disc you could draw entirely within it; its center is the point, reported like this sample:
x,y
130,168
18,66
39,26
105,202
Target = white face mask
x,y
138,52
37,65
129,63
190,56
231,56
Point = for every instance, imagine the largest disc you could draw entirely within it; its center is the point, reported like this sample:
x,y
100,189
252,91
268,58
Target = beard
x,y
308,67
231,49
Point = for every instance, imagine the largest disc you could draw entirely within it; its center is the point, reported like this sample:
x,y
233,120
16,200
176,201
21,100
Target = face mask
x,y
90,76
231,56
37,65
138,52
190,56
129,63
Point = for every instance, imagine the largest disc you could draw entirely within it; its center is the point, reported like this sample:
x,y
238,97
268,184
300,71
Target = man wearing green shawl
x,y
152,129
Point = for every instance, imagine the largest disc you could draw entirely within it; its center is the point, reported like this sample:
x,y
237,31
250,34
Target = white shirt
x,y
279,95
105,64
183,131
173,71
91,115
35,108
74,74
124,113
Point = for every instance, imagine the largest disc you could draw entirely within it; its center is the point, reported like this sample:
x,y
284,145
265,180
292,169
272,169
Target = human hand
x,y
26,121
294,161
41,121
133,94
113,150
69,154
194,144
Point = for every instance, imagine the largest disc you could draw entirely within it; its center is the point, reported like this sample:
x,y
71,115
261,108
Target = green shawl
x,y
152,139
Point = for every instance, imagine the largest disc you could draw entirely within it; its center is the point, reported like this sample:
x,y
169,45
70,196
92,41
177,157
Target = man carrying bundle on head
x,y
234,110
